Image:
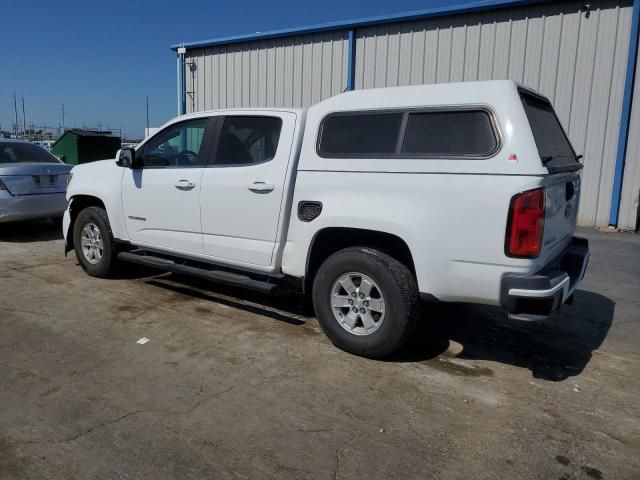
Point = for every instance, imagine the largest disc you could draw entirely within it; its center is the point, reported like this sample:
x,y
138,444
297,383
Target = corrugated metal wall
x,y
286,72
578,61
630,204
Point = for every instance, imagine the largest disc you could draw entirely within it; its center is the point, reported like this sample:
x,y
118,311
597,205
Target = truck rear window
x,y
555,150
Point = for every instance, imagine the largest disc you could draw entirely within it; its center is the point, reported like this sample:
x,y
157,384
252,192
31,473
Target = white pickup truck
x,y
371,201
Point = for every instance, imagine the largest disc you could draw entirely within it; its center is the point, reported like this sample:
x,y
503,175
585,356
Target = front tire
x,y
93,242
366,302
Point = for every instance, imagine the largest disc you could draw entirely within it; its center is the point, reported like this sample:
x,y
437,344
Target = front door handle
x,y
184,184
261,187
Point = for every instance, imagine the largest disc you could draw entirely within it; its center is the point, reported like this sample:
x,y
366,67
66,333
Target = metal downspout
x,y
351,62
181,82
623,133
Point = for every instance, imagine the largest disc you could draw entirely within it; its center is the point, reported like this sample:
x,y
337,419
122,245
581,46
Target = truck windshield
x,y
554,148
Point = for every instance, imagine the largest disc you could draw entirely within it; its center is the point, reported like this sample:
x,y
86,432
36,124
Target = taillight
x,y
525,225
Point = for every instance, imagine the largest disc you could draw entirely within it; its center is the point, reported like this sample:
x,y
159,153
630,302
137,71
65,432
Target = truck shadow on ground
x,y
291,310
31,231
552,350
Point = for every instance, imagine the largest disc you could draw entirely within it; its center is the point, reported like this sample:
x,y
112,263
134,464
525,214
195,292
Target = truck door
x,y
243,190
162,200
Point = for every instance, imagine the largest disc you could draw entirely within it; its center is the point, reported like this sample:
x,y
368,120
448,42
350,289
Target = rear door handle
x,y
184,184
261,187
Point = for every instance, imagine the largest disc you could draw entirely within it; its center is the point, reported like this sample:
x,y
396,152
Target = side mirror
x,y
126,157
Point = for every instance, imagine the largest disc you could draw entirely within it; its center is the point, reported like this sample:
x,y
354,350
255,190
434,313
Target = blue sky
x,y
101,59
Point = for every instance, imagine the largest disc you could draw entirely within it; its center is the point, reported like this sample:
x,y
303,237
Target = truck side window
x,y
427,133
360,134
450,133
248,140
177,146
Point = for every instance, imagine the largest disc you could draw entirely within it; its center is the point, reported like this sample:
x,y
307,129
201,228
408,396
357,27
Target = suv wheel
x,y
93,242
366,302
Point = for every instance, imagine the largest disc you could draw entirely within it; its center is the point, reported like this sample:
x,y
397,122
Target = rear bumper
x,y
28,207
536,297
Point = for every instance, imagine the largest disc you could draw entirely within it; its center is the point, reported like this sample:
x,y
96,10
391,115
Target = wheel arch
x,y
77,203
329,240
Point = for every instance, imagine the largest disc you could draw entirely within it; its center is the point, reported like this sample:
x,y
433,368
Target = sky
x,y
102,59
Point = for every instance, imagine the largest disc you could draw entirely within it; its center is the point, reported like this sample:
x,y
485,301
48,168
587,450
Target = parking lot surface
x,y
232,384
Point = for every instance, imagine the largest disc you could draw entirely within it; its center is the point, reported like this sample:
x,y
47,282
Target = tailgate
x,y
561,209
562,184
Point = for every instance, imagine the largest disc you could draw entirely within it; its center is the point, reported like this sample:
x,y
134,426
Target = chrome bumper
x,y
539,296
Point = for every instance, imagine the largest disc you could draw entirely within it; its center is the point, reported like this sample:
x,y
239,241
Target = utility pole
x,y
24,118
15,109
63,118
147,113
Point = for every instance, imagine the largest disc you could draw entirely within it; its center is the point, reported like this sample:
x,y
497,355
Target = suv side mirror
x,y
126,157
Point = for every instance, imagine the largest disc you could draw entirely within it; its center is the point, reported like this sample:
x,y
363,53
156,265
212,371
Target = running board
x,y
229,278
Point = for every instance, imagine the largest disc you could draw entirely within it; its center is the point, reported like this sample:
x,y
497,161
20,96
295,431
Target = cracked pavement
x,y
238,385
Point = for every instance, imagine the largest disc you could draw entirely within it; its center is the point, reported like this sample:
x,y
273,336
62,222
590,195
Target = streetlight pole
x,y
15,109
24,118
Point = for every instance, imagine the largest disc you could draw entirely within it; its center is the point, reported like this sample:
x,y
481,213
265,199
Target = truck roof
x,y
430,94
421,95
222,111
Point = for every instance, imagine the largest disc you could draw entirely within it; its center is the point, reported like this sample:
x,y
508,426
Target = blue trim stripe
x,y
351,61
466,7
178,89
623,133
182,102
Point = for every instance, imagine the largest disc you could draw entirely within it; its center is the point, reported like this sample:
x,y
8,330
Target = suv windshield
x,y
554,148
19,152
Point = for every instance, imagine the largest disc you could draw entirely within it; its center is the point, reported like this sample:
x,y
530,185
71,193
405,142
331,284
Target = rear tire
x,y
366,302
93,242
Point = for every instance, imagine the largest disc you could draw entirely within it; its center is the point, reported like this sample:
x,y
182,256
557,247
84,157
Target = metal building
x,y
583,56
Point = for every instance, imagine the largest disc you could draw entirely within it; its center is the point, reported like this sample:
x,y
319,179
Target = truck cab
x,y
197,183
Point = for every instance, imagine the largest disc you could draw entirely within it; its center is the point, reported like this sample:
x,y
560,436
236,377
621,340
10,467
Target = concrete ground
x,y
237,385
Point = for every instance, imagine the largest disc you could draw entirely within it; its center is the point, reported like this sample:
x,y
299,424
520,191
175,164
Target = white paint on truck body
x,y
452,213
